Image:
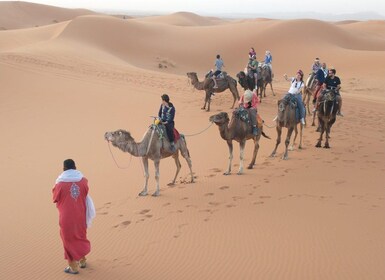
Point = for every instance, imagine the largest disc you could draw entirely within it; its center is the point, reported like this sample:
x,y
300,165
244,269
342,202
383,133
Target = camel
x,y
327,112
287,118
208,86
307,93
248,82
267,79
154,146
239,131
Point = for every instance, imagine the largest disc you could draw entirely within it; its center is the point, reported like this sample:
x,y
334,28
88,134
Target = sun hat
x,y
247,96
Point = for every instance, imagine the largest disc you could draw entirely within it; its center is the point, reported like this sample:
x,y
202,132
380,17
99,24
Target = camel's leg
x,y
291,147
287,142
300,136
178,165
255,152
241,156
327,129
235,93
313,123
279,132
230,145
185,153
271,86
319,142
156,164
146,176
264,90
206,98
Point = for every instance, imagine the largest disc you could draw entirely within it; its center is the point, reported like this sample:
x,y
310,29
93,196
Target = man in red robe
x,y
70,194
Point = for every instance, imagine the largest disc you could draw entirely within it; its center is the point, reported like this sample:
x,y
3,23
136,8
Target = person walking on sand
x,y
76,211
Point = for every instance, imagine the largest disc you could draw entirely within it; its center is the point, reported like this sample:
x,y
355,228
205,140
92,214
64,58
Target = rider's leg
x,y
253,119
339,101
301,108
215,81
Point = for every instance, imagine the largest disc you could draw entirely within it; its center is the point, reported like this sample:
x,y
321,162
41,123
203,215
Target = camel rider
x,y
324,69
320,79
166,115
314,68
218,69
252,67
296,87
268,61
249,101
332,82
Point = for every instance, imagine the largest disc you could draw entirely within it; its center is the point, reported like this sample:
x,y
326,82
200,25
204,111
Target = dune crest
x,y
19,14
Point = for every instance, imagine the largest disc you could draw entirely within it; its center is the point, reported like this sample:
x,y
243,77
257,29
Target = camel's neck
x,y
134,148
224,131
197,84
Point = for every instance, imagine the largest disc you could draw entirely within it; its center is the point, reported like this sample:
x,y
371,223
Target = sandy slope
x,y
319,215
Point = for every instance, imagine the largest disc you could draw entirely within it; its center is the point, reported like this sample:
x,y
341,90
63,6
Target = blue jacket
x,y
167,114
320,76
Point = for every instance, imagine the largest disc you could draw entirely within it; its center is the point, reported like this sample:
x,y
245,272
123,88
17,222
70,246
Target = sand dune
x,y
19,14
183,19
319,215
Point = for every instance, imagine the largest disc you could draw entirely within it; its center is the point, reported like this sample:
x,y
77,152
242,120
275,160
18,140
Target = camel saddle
x,y
161,130
291,101
243,114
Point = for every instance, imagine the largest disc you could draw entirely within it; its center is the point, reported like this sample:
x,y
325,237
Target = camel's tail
x,y
266,136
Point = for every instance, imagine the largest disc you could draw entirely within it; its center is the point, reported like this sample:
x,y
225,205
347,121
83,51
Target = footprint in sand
x,y
209,194
224,188
216,170
166,204
230,205
235,198
340,182
184,198
123,224
213,203
144,211
264,196
258,202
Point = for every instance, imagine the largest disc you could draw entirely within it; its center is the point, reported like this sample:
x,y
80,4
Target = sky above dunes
x,y
225,6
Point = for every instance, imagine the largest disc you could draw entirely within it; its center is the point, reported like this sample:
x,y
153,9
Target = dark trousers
x,y
170,131
253,116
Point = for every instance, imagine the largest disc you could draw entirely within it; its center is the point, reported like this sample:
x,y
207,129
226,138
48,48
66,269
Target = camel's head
x,y
119,136
220,119
191,75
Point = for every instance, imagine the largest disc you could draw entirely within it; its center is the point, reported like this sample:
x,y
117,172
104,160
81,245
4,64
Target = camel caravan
x,y
162,140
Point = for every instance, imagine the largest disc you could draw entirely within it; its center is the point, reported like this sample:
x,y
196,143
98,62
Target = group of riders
x,y
320,79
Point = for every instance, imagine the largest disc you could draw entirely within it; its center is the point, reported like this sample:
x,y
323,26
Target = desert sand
x,y
318,215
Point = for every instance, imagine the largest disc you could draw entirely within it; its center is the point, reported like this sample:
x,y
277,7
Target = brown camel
x,y
308,94
247,82
287,118
208,86
267,79
327,112
154,146
239,131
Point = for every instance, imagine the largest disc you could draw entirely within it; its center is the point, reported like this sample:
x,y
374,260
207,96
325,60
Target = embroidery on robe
x,y
75,191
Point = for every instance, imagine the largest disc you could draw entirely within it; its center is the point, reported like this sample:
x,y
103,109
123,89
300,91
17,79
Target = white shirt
x,y
296,86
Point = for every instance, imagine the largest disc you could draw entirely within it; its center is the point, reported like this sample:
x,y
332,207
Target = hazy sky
x,y
225,6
